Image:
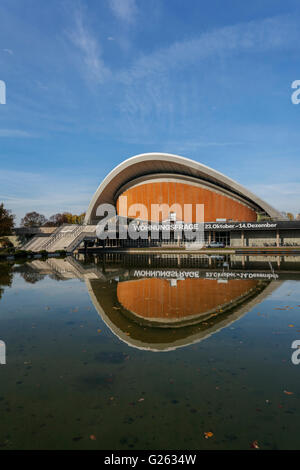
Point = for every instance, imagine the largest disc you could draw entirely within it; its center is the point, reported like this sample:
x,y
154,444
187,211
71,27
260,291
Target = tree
x,y
66,218
6,276
290,216
6,243
32,277
6,221
74,218
81,218
58,219
33,219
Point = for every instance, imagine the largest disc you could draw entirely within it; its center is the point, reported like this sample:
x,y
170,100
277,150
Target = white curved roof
x,y
155,163
191,338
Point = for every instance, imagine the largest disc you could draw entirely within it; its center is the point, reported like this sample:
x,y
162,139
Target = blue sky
x,y
93,82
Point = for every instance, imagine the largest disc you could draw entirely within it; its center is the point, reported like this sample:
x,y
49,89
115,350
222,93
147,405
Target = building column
x,y
277,237
242,238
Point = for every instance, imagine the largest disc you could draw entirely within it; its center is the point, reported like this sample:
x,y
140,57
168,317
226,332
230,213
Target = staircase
x,y
67,238
35,244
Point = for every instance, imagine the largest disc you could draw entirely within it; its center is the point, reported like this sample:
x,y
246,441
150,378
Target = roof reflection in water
x,y
172,301
162,335
161,310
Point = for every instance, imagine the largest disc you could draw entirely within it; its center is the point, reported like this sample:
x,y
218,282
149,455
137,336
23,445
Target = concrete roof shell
x,y
162,163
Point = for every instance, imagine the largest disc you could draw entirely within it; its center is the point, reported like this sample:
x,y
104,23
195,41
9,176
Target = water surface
x,y
148,352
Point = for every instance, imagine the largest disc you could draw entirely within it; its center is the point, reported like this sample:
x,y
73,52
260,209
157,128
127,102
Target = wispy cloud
x,y
125,10
254,36
168,84
82,37
8,51
189,145
175,87
15,133
258,36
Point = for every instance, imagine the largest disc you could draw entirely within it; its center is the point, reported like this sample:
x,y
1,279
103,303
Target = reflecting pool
x,y
150,352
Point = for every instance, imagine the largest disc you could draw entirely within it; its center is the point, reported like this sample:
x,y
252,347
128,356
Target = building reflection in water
x,y
177,300
160,303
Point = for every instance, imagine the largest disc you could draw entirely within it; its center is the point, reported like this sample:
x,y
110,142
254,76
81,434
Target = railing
x,y
61,234
79,239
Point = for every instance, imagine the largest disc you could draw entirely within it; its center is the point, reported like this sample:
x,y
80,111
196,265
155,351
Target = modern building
x,y
232,214
171,180
176,187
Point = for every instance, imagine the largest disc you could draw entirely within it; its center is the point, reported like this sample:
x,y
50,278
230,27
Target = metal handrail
x,y
60,235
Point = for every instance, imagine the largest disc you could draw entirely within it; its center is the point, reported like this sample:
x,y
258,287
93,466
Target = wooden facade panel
x,y
216,205
172,193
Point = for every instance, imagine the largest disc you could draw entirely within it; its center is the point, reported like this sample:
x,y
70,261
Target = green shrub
x,y
21,252
43,252
61,252
5,243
